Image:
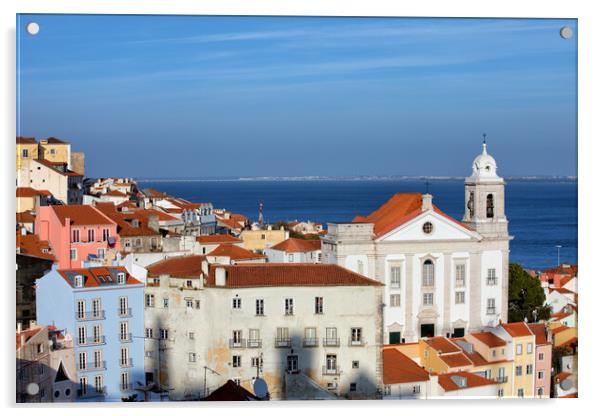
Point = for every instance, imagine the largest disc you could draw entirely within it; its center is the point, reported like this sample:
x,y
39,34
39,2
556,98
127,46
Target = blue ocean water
x,y
541,214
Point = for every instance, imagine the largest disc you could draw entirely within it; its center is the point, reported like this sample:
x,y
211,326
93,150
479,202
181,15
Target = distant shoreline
x,y
354,178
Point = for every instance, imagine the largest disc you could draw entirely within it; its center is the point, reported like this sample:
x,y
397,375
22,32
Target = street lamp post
x,y
558,247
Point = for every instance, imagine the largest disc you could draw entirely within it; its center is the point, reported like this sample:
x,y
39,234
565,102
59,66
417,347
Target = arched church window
x,y
470,205
490,206
428,273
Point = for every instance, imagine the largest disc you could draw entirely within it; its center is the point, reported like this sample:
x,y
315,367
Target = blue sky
x,y
206,96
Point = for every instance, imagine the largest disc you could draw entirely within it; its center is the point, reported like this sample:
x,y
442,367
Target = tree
x,y
526,297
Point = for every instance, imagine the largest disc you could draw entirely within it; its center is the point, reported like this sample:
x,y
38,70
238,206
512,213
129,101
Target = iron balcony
x,y
331,342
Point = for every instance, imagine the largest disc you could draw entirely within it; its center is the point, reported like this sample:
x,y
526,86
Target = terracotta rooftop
x,y
54,140
114,192
97,276
399,209
30,192
446,381
234,252
26,140
454,360
517,329
181,266
560,328
297,245
442,345
27,334
286,274
489,339
539,330
218,238
127,228
80,214
569,342
399,368
561,376
25,217
30,245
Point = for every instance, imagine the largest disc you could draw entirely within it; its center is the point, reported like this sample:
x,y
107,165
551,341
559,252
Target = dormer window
x,y
79,281
121,278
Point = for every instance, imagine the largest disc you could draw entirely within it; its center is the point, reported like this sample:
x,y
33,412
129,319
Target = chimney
x,y
427,202
153,222
220,276
19,327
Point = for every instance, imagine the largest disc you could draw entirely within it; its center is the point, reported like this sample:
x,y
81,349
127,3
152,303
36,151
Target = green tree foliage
x,y
526,297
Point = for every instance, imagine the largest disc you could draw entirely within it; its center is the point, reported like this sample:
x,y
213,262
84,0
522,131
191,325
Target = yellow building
x,y
27,149
521,348
55,150
562,334
259,240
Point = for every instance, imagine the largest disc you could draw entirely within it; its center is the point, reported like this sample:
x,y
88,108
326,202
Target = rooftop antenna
x,y
260,219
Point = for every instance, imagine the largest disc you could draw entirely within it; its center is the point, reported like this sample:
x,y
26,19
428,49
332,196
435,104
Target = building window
x,y
73,254
427,299
500,393
529,348
105,234
288,306
124,357
148,333
101,253
124,334
490,206
166,302
25,153
189,284
529,369
540,356
459,297
519,370
121,278
189,303
83,361
460,275
90,236
259,307
291,258
387,390
491,277
416,389
521,393
256,362
395,277
81,335
355,364
236,303
197,304
98,384
163,333
75,236
81,309
541,374
540,391
236,381
191,335
356,336
394,300
125,381
236,361
519,349
83,386
149,300
491,306
319,305
428,273
353,387
192,357
427,227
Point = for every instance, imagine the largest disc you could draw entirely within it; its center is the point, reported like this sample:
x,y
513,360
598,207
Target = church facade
x,y
443,276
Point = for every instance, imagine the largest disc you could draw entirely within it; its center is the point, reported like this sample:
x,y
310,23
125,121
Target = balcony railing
x,y
124,312
490,311
237,343
125,386
500,380
356,342
92,366
91,316
491,281
128,362
92,391
331,370
125,337
282,343
311,342
98,340
254,343
331,342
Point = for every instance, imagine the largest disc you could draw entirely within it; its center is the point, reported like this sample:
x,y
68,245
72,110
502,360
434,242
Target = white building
x,y
295,250
442,276
206,324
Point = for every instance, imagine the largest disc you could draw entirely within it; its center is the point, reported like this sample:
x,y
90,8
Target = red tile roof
x,y
399,209
560,328
81,215
297,245
539,330
489,339
399,368
286,274
126,228
456,360
54,140
98,276
27,334
114,193
218,238
569,342
30,245
30,192
181,266
26,140
25,217
234,252
560,315
517,329
561,376
442,344
229,223
472,380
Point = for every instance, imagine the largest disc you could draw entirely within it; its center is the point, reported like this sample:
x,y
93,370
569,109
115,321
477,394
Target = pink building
x,y
76,233
543,360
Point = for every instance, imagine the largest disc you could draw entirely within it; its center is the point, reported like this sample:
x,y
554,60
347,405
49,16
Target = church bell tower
x,y
484,197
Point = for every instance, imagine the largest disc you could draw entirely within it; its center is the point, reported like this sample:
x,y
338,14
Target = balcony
x,y
92,392
254,343
125,337
125,386
237,343
490,311
128,362
356,342
98,340
331,342
93,366
91,316
492,281
500,380
395,285
124,312
310,342
283,343
331,370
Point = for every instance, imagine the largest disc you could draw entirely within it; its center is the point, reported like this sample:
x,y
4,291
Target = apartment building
x,y
295,250
543,359
102,309
207,323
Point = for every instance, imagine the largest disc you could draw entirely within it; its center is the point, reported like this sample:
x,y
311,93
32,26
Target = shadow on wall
x,y
36,382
